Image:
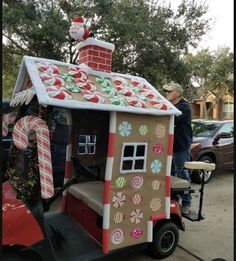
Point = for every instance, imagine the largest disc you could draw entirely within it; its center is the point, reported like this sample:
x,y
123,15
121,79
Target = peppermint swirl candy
x,y
58,93
149,94
47,68
67,77
136,103
118,199
136,182
117,236
103,82
136,216
86,85
120,182
78,72
156,166
125,91
118,217
110,91
136,233
159,104
52,80
95,97
118,101
138,83
136,199
119,80
125,128
155,204
73,88
160,130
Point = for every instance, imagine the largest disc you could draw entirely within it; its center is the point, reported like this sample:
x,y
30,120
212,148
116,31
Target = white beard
x,y
77,34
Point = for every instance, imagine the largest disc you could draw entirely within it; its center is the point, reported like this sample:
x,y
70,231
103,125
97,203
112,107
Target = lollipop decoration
x,y
117,236
136,182
136,233
21,129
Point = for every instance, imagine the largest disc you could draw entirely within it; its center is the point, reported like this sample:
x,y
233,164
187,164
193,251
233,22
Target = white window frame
x,y
87,144
134,158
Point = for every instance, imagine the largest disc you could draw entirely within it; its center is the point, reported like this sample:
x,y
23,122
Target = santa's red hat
x,y
78,19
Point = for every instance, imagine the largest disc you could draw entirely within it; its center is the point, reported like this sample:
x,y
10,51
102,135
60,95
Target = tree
x,y
149,37
211,70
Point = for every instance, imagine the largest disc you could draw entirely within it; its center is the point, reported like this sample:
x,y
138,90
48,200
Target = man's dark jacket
x,y
183,128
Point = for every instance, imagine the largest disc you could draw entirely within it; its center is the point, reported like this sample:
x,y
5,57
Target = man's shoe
x,y
185,209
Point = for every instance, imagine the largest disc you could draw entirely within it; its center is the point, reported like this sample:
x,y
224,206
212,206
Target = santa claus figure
x,y
77,30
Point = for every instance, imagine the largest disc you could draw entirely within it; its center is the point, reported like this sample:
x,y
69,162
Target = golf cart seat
x,y
91,193
200,165
178,183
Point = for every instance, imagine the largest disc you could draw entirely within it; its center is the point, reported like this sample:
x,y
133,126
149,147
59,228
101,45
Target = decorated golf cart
x,y
118,130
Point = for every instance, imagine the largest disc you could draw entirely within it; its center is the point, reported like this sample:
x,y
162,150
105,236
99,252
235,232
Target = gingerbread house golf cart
x,y
118,131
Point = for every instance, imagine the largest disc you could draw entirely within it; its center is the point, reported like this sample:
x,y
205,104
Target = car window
x,y
228,127
204,129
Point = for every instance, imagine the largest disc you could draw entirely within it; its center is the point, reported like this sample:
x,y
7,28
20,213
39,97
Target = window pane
x,y
93,139
129,151
91,149
82,139
127,165
140,150
139,164
81,149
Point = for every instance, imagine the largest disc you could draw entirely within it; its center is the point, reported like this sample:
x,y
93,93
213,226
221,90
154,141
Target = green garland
x,y
26,187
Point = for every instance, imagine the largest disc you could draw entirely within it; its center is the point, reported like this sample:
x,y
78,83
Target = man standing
x,y
182,136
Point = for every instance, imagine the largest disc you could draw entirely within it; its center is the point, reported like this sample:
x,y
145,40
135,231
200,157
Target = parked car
x,y
213,141
58,162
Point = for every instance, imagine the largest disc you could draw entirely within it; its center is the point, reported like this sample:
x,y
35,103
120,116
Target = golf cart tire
x,y
165,240
196,176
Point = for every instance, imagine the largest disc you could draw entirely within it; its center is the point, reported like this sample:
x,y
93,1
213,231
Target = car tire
x,y
165,240
196,175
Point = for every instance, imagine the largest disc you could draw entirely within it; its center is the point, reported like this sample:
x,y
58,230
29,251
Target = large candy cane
x,y
20,131
6,120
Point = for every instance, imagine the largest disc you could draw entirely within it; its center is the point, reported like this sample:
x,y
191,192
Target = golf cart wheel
x,y
197,175
165,240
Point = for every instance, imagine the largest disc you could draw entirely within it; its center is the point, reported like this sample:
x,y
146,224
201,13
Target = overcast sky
x,y
222,12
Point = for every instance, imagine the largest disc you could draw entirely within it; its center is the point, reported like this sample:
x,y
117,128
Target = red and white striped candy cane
x,y
20,131
6,120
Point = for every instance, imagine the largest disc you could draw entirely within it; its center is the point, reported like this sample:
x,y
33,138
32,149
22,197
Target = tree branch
x,y
14,42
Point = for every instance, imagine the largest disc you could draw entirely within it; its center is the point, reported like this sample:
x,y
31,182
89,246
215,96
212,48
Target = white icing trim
x,y
112,127
92,41
171,126
150,231
167,207
106,216
109,166
168,165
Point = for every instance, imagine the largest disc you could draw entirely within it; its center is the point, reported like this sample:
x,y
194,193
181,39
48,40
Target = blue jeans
x,y
179,159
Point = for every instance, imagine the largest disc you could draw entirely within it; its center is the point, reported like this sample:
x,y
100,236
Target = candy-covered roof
x,y
78,86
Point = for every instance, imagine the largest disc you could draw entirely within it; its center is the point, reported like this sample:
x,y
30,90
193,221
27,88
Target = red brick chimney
x,y
96,54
